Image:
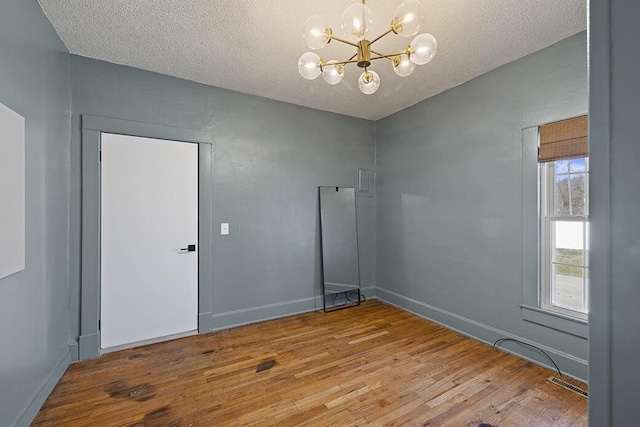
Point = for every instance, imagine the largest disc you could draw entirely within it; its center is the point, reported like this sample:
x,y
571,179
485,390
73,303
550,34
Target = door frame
x,y
92,128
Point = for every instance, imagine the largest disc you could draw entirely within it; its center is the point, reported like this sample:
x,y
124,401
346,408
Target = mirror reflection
x,y
339,239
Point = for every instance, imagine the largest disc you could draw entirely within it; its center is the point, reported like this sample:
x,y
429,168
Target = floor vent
x,y
570,387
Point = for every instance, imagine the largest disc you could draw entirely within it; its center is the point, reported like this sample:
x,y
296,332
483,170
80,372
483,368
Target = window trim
x,y
546,175
529,306
557,321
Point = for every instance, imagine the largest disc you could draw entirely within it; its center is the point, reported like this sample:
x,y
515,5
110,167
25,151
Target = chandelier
x,y
357,21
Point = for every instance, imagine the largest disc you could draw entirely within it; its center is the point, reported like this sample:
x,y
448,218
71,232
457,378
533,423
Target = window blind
x,y
563,140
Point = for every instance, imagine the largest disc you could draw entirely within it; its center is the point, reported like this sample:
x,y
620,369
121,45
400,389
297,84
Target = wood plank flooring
x,y
373,365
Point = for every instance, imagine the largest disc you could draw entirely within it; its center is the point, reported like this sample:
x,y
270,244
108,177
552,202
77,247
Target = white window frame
x,y
547,182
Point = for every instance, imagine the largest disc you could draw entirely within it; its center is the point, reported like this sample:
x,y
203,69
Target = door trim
x,y
92,128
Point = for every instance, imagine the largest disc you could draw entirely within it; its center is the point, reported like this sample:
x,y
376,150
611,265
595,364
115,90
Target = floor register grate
x,y
570,387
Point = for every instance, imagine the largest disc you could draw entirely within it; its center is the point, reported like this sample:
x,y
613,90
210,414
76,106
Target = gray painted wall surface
x,y
615,123
34,303
443,218
268,160
449,197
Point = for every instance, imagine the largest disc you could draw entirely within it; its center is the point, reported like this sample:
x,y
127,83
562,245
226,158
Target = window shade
x,y
563,140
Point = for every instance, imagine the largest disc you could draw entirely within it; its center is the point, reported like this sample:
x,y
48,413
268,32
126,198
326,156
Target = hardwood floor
x,y
370,365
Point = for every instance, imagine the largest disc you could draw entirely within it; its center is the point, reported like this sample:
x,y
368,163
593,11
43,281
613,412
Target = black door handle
x,y
190,248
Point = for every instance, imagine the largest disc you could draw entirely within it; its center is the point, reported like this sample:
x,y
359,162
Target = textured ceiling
x,y
254,46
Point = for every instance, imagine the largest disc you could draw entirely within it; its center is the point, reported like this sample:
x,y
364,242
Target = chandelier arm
x,y
344,62
343,41
389,56
381,36
383,55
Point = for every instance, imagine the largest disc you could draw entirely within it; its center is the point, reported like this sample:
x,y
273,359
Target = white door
x,y
149,213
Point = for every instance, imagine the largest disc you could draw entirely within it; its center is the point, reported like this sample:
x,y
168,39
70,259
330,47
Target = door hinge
x,y
99,324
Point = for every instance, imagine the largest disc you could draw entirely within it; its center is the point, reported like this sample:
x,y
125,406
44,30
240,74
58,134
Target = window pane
x,y
586,291
586,252
561,198
568,242
569,256
562,166
578,194
568,287
576,165
565,243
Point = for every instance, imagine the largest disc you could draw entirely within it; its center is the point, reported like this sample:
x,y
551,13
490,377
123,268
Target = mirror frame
x,y
347,294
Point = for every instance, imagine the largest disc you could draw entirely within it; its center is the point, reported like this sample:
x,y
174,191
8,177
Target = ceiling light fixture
x,y
357,21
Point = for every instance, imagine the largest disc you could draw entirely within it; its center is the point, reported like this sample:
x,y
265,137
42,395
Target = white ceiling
x,y
253,46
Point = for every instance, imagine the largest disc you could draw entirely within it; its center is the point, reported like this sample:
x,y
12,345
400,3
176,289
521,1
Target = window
x,y
564,236
564,217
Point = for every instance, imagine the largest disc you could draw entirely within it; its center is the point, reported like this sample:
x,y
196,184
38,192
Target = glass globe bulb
x,y
369,82
331,73
357,20
309,65
408,18
423,49
316,32
404,66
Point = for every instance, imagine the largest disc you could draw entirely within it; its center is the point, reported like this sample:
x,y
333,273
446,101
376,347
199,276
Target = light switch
x,y
363,180
224,228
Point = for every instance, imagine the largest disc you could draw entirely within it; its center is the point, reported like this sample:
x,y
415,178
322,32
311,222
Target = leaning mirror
x,y
339,241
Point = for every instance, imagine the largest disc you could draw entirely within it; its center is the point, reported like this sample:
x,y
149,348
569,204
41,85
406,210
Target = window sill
x,y
559,322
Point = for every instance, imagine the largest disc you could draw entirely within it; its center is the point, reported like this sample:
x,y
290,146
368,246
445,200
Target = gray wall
x,y
268,160
450,226
34,303
615,155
